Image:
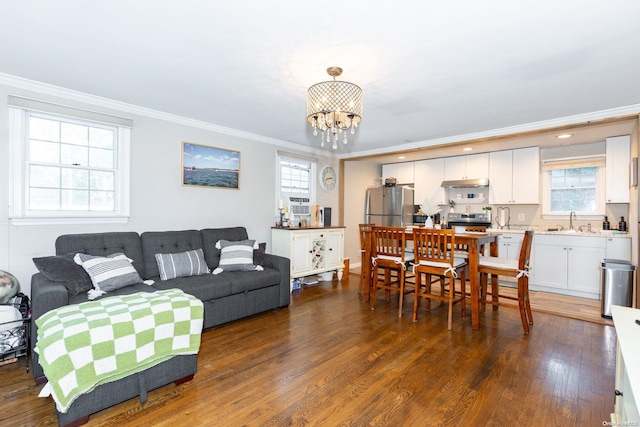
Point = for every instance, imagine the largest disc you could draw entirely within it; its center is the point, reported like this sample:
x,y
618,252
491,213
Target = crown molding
x,y
98,101
57,91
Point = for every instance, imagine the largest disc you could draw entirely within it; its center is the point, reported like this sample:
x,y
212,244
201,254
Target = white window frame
x,y
19,110
598,163
280,195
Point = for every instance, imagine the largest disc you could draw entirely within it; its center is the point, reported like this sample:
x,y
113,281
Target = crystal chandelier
x,y
334,107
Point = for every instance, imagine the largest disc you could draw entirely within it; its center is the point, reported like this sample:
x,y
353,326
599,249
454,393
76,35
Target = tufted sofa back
x,y
103,244
210,237
142,248
166,242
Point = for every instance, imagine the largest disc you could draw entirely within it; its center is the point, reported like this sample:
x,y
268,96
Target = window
x,y
574,186
68,168
295,177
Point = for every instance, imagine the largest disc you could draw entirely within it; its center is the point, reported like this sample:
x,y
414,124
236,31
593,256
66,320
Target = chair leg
x,y
525,281
416,297
452,291
483,291
427,286
463,297
363,273
401,286
374,288
521,305
495,290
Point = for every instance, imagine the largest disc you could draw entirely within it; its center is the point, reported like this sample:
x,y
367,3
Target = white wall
x,y
158,201
360,175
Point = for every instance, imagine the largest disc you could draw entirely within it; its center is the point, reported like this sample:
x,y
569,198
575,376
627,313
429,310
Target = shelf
x,y
469,201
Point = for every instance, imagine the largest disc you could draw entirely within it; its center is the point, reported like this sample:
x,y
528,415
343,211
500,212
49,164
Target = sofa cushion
x,y
166,242
258,254
103,244
244,281
211,236
127,290
205,287
63,269
109,273
181,264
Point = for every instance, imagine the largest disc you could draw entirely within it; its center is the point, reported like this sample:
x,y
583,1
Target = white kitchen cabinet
x,y
514,176
403,172
429,175
310,250
618,156
568,264
466,167
509,245
627,385
618,248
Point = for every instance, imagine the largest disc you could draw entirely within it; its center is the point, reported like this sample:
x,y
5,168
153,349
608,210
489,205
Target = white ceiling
x,y
431,72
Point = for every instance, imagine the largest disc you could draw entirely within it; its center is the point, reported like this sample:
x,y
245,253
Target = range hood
x,y
466,183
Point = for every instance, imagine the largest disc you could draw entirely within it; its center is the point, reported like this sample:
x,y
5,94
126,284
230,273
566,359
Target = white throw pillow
x,y
108,273
236,256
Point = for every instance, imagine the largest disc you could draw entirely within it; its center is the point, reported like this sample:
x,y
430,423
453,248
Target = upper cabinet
x,y
466,167
429,175
402,172
617,169
514,176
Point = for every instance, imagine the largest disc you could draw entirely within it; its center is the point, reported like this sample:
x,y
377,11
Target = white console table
x,y
311,250
627,366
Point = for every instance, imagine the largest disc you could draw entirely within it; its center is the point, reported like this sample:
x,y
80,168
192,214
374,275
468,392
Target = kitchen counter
x,y
540,230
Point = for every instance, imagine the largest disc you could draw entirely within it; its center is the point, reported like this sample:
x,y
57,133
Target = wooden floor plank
x,y
329,360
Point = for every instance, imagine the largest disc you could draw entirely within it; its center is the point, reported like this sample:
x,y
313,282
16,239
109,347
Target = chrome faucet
x,y
572,216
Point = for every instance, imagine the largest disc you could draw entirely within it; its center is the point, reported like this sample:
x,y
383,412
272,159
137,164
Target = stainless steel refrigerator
x,y
389,206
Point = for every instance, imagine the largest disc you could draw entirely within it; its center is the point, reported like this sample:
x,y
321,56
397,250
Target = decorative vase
x,y
452,209
429,222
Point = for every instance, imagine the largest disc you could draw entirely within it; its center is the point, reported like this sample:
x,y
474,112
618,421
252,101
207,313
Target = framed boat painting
x,y
204,166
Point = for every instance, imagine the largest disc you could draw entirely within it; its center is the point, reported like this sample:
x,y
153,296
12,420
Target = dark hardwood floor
x,y
328,360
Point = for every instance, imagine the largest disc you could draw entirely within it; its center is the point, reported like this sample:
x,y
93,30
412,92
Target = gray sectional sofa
x,y
227,296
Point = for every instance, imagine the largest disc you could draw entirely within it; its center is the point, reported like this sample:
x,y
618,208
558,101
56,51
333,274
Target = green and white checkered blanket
x,y
84,345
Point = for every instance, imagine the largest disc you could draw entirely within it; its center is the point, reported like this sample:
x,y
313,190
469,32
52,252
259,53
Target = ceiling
x,y
432,74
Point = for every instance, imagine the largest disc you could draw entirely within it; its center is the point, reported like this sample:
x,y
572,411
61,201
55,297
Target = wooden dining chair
x,y
365,258
388,252
495,266
462,251
434,252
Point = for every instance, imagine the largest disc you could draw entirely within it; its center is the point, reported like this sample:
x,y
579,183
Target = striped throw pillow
x,y
109,273
181,264
236,256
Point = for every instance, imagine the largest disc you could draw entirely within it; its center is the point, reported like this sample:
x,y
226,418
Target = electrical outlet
x,y
520,217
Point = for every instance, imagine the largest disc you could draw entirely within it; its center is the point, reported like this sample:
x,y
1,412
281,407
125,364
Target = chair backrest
x,y
388,241
525,250
365,234
433,245
482,228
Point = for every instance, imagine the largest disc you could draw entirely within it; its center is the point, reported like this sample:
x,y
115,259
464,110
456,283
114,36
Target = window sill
x,y
579,216
68,220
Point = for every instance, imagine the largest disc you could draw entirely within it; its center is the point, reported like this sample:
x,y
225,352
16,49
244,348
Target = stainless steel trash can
x,y
617,284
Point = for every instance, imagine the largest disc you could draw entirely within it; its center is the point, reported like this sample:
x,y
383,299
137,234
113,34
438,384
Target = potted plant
x,y
487,209
452,205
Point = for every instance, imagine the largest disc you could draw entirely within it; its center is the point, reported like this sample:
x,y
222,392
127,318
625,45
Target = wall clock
x,y
328,178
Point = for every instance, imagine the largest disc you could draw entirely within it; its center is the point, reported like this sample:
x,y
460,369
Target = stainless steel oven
x,y
475,221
